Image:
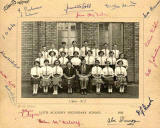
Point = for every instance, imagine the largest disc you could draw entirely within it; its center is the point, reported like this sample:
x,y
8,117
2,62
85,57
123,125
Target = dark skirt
x,y
113,67
35,80
108,81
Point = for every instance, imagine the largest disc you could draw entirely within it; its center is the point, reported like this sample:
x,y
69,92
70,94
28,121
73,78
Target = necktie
x,y
115,54
105,52
95,52
73,49
46,70
63,49
63,61
51,60
120,70
88,60
101,60
112,60
56,69
97,70
36,71
85,50
107,71
69,71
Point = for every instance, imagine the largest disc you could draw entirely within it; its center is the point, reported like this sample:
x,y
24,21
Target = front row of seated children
x,y
52,77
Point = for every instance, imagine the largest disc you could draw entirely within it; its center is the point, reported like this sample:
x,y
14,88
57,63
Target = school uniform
x,y
102,60
120,73
52,60
54,50
46,72
63,61
45,54
97,70
57,73
112,61
83,51
64,50
116,53
125,63
90,60
95,52
106,52
72,50
108,77
41,61
76,61
35,75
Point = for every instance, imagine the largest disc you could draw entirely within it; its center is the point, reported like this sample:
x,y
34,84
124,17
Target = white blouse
x,y
52,59
76,61
106,52
41,61
54,50
120,70
45,54
63,50
57,70
97,70
63,60
102,60
116,53
72,50
108,71
125,62
90,60
95,52
46,70
82,52
112,60
36,71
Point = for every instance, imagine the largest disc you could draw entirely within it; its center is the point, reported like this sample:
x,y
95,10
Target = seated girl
x,y
97,74
120,74
57,73
108,76
35,77
46,75
69,75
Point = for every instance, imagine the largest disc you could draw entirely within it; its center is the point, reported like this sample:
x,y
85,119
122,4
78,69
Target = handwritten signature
x,y
90,14
10,94
123,5
79,6
28,11
14,2
9,59
25,113
122,119
10,28
151,8
143,108
9,82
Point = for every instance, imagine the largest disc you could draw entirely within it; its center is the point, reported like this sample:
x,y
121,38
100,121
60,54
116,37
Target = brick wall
x,y
37,34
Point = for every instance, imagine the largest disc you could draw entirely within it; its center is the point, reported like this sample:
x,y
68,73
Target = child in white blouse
x,y
46,74
112,60
35,77
97,73
76,61
40,59
101,58
44,52
120,73
57,73
115,51
108,75
63,59
52,58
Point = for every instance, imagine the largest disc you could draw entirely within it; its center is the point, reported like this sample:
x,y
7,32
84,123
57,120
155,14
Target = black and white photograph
x,y
79,59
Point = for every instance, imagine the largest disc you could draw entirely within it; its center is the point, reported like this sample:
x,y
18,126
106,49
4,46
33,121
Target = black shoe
x,y
82,92
85,93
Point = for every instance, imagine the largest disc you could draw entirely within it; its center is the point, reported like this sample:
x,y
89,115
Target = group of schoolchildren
x,y
79,68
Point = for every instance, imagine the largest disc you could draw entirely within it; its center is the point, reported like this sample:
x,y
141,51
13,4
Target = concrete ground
x,y
132,92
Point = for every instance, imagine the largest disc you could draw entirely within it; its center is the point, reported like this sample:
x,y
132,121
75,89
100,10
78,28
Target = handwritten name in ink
x,y
14,2
9,82
60,122
82,6
90,14
122,5
154,56
10,94
151,9
29,11
25,113
9,59
9,29
152,30
143,108
113,120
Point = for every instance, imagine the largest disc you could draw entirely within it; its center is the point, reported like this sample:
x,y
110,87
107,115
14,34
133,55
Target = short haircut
x,y
75,52
119,62
51,52
36,62
56,61
100,52
63,42
46,60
